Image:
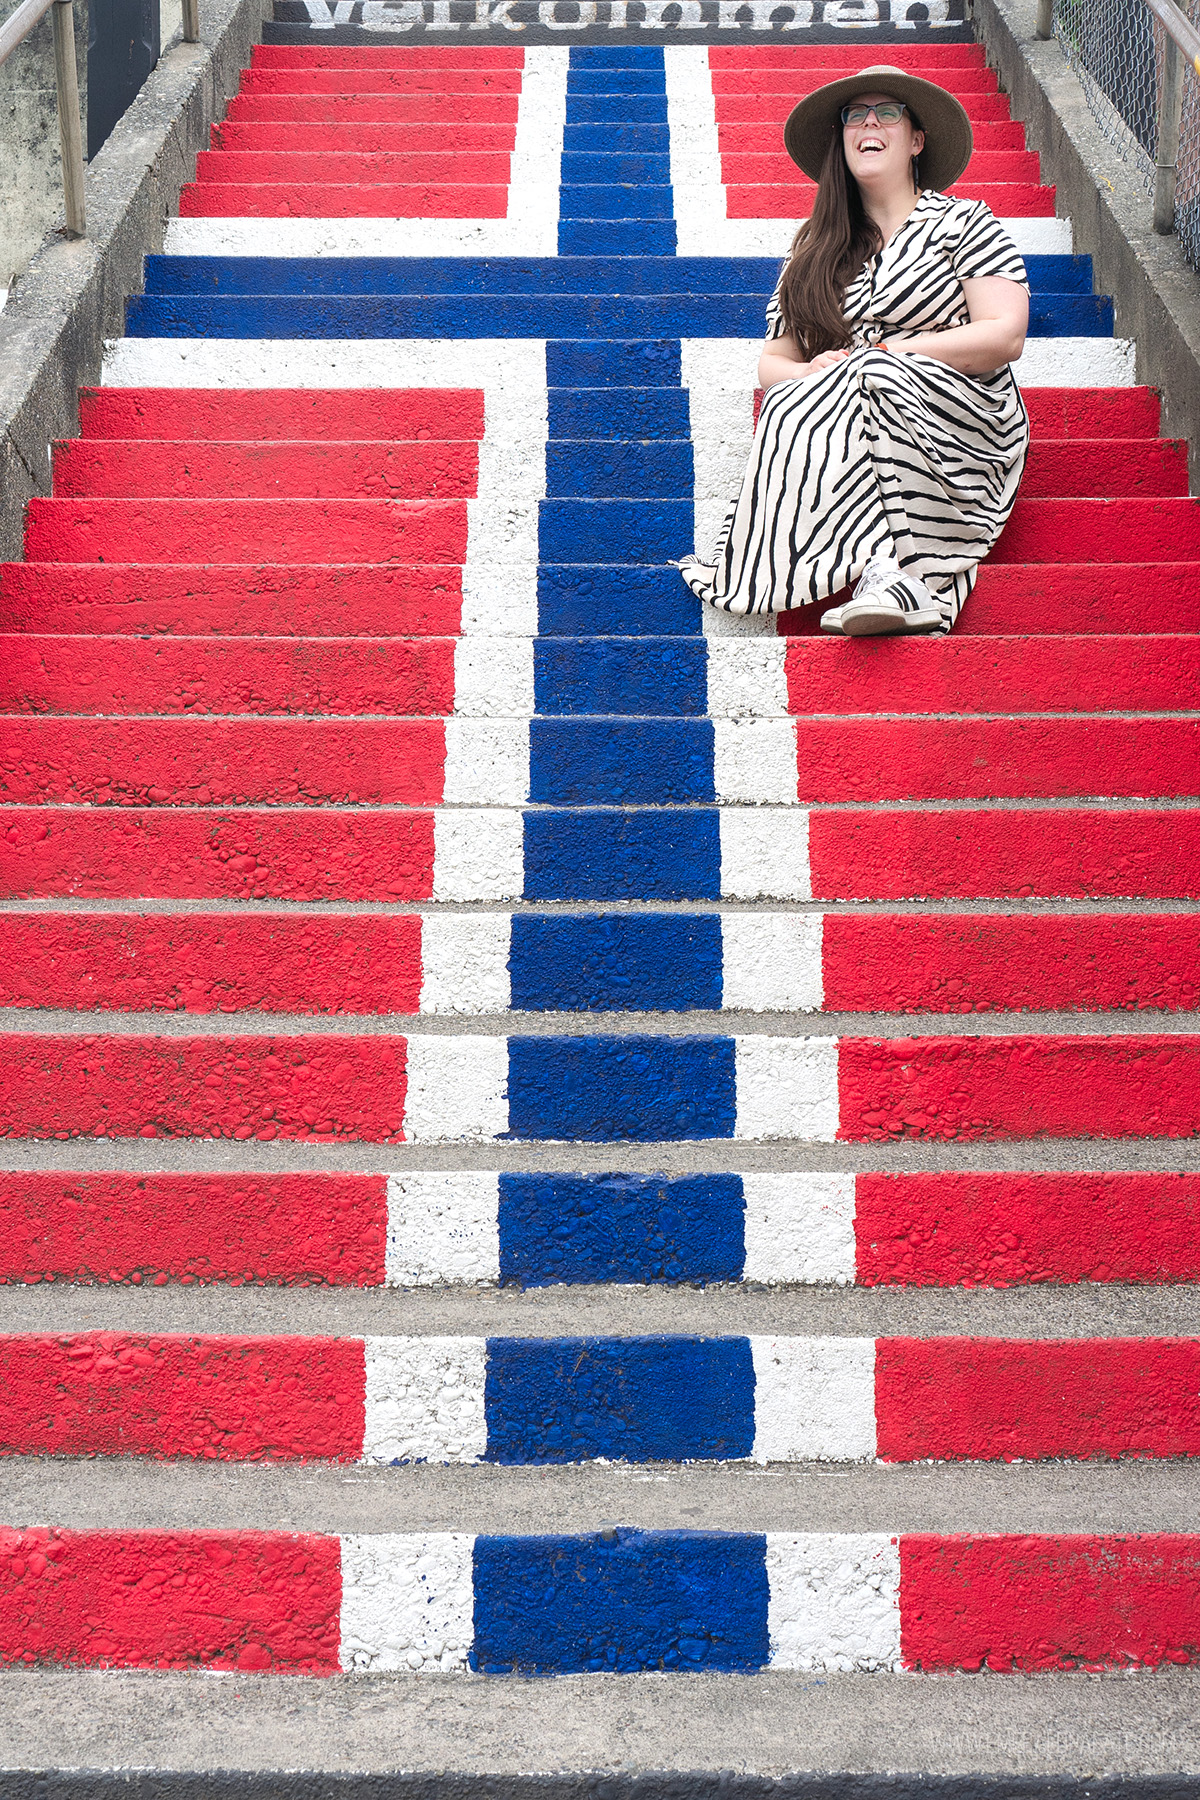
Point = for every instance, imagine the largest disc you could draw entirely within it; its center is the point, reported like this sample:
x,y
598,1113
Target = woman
x,y
892,434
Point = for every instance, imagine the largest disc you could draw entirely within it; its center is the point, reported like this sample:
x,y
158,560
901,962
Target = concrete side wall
x,y
31,200
73,295
1157,294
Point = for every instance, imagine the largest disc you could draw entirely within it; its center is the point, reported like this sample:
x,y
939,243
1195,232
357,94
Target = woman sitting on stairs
x,y
892,433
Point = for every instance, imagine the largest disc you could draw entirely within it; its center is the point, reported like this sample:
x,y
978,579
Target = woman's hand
x,y
781,361
999,312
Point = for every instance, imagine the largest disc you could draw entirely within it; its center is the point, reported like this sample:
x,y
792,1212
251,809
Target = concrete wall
x,y
31,200
1157,293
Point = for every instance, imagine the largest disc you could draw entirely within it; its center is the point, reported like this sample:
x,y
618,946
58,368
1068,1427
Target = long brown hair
x,y
827,252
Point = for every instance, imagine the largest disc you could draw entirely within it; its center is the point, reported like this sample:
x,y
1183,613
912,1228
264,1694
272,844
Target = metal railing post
x,y
70,133
191,21
1045,19
1170,107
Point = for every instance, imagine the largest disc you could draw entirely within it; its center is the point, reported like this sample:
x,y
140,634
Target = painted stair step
x,y
481,1228
756,137
369,78
508,1400
269,315
765,78
185,531
740,853
186,761
489,963
437,200
846,58
415,56
361,164
380,108
287,414
472,138
544,276
646,1088
758,168
754,105
616,1601
558,676
791,200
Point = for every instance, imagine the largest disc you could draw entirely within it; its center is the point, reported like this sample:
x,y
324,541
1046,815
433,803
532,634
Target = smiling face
x,y
881,155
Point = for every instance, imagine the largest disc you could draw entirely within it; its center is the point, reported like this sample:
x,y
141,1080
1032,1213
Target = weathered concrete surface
x,y
73,295
1054,1726
1157,294
31,198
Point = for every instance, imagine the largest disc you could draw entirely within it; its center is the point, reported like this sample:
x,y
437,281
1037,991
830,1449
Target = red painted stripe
x,y
416,56
1042,1603
282,414
311,1089
749,135
285,200
203,762
846,58
297,531
201,963
233,1399
758,168
991,1399
996,675
1100,531
298,854
384,109
1072,853
1001,1088
335,140
359,600
761,77
1093,468
754,106
110,468
455,84
198,676
978,759
1008,200
256,1601
1006,1230
155,1229
1089,412
362,164
997,962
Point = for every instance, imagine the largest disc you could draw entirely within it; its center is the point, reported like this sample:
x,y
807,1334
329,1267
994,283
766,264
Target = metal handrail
x,y
1182,40
15,29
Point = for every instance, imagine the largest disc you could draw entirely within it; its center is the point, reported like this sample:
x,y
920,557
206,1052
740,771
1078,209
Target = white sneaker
x,y
886,602
831,621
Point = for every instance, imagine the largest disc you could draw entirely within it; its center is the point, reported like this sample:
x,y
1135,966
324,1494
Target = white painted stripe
x,y
835,1601
764,853
814,1399
487,762
703,230
799,1228
457,1090
493,678
443,1229
720,374
754,761
464,963
425,1400
478,855
771,962
747,678
408,1601
787,1089
498,596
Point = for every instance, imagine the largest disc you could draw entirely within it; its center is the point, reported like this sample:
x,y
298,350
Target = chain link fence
x,y
1118,50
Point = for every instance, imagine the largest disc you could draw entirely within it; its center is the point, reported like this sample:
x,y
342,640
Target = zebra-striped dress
x,y
881,454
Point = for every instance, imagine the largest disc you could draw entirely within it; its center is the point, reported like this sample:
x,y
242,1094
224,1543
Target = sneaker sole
x,y
883,621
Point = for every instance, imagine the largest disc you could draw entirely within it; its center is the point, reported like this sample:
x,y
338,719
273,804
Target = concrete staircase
x,y
513,1089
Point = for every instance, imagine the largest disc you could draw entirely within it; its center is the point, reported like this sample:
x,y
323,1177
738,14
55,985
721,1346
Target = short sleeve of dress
x,y
985,249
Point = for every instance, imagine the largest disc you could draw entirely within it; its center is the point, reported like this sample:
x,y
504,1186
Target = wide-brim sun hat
x,y
948,136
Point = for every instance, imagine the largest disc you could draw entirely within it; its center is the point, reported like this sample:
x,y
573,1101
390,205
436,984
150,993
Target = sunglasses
x,y
888,112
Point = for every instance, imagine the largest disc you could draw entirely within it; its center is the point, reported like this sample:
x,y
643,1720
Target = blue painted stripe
x,y
620,762
613,362
648,962
616,109
611,600
427,275
615,56
594,201
659,470
637,1399
639,1600
605,854
628,1228
614,531
606,164
616,413
624,237
654,139
644,676
632,1089
592,80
